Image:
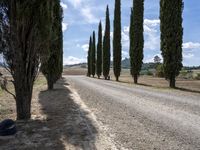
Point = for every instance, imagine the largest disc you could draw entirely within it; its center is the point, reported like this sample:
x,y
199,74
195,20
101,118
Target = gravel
x,y
138,117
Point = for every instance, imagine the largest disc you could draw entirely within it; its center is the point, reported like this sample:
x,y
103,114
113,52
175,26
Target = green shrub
x,y
197,76
149,73
160,71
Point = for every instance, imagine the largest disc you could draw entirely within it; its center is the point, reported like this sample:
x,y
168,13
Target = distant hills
x,y
126,65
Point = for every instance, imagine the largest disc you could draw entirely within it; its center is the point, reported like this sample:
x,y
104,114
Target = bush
x,y
197,76
186,74
149,73
160,71
146,72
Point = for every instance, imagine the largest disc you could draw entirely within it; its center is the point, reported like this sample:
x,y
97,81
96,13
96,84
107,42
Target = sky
x,y
81,18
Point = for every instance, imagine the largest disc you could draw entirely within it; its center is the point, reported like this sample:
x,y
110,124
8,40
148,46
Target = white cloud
x,y
73,60
64,6
151,33
126,29
64,26
76,3
88,15
85,47
191,45
85,9
187,55
152,23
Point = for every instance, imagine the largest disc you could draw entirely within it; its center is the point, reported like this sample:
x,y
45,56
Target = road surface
x,y
138,117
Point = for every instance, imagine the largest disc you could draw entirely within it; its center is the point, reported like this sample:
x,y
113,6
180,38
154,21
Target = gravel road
x,y
138,117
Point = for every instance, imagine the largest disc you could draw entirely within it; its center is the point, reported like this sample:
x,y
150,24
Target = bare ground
x,y
60,120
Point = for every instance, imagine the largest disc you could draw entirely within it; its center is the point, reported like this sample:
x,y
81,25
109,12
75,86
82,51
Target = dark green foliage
x,y
171,38
136,38
93,55
117,46
99,52
89,58
52,69
26,30
106,47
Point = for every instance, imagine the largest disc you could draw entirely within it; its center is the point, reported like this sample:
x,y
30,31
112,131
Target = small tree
x,y
106,47
89,57
99,52
25,38
93,55
117,47
171,38
157,59
136,38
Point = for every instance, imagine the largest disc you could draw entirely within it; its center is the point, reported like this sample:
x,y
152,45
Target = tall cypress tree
x,y
60,39
136,38
117,46
99,52
25,31
52,68
171,38
93,55
89,58
106,46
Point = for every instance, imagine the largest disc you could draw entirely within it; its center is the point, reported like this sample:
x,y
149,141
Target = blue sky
x,y
81,17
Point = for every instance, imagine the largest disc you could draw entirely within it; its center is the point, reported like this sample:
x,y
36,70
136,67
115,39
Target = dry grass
x,y
182,84
7,102
74,71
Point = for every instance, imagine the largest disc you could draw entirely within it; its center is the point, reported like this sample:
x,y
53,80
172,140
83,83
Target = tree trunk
x,y
135,77
50,83
23,102
172,82
117,79
23,91
98,77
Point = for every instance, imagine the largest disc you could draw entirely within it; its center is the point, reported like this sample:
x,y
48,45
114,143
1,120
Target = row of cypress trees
x,y
100,62
171,41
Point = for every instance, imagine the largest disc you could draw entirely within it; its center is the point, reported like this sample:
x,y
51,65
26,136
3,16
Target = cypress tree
x,y
171,38
117,46
52,68
89,57
136,38
106,47
60,39
99,52
26,27
93,55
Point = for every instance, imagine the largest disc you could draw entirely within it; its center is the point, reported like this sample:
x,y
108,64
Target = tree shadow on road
x,y
68,123
60,123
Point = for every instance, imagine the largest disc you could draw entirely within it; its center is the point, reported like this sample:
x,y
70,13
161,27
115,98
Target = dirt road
x,y
138,117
